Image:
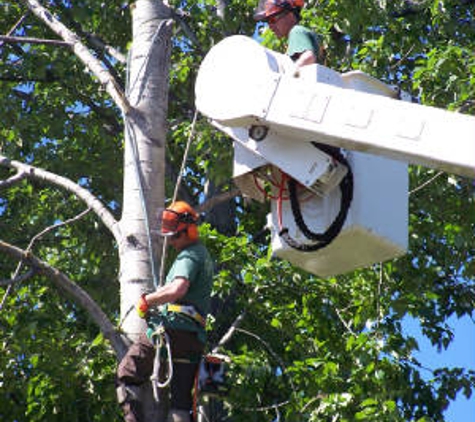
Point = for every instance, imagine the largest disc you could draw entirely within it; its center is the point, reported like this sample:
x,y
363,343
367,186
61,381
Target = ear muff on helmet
x,y
191,228
192,232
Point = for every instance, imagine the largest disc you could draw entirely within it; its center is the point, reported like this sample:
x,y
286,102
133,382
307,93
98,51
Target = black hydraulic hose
x,y
321,239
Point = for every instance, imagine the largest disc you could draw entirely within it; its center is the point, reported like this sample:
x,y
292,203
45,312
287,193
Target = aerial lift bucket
x,y
275,118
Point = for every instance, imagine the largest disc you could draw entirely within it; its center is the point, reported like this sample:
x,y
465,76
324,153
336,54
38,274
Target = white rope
x,y
175,193
162,341
185,156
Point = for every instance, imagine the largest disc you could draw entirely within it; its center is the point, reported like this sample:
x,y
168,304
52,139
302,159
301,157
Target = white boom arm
x,y
241,84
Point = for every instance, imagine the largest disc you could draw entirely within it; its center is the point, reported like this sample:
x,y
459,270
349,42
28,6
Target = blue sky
x,y
460,353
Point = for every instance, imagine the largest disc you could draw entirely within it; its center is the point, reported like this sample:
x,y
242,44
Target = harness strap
x,y
188,310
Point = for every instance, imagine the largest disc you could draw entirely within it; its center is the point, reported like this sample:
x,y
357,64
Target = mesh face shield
x,y
171,222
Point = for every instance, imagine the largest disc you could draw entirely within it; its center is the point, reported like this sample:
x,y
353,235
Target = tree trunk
x,y
144,163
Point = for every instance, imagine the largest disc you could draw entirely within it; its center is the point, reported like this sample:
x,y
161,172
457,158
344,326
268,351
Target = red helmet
x,y
179,217
268,8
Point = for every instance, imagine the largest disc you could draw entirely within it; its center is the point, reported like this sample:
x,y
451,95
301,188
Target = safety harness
x,y
163,352
189,311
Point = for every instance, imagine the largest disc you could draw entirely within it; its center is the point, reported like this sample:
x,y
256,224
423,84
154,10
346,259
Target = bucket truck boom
x,y
242,84
282,122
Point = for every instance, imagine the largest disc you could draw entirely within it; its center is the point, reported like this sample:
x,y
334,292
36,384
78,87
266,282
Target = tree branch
x,y
13,29
99,46
17,23
71,289
55,226
347,326
269,349
97,206
82,52
17,279
29,40
218,199
111,51
179,17
13,180
426,183
95,41
232,329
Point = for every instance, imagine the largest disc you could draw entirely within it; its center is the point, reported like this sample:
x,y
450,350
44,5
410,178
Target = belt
x,y
188,310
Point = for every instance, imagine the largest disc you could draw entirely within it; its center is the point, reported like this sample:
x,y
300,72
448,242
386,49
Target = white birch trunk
x,y
145,138
146,134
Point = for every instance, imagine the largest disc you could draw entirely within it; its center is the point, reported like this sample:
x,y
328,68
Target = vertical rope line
x,y
175,193
185,156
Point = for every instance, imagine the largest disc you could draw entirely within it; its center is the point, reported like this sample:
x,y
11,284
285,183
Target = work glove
x,y
142,306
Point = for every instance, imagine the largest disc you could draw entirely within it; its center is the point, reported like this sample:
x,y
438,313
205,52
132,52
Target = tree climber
x,y
283,17
185,297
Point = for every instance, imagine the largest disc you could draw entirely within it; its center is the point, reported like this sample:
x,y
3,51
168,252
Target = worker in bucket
x,y
283,17
176,317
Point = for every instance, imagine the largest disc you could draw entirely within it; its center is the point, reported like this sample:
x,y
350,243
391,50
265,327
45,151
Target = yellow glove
x,y
142,307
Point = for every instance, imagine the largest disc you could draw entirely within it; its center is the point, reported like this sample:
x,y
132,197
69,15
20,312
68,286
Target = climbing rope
x,y
175,193
162,343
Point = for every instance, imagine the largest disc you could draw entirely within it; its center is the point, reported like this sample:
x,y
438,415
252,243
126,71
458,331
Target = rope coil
x,y
162,342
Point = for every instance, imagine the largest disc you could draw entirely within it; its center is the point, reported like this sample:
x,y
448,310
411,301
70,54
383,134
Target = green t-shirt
x,y
301,39
195,264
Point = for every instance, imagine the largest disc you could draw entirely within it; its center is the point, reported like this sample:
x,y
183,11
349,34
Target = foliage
x,y
308,349
50,367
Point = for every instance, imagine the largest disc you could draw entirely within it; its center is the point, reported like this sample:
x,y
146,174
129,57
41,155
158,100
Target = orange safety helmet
x,y
179,217
268,8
